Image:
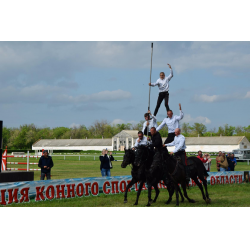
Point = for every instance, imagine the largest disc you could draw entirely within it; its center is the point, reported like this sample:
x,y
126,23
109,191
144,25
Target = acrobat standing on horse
x,y
149,123
163,84
172,123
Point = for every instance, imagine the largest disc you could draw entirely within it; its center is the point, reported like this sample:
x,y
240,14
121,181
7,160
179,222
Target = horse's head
x,y
140,155
128,158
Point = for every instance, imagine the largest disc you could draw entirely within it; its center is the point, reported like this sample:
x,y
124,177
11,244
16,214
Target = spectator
x,y
218,160
106,164
201,157
208,162
230,163
233,159
45,163
223,162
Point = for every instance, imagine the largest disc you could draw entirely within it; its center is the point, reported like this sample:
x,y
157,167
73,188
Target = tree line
x,y
26,135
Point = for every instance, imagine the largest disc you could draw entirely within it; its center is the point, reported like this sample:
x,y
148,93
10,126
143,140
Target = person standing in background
x,y
218,160
106,164
233,159
45,163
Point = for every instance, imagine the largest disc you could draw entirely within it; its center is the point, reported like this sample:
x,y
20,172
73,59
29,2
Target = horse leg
x,y
157,191
204,181
149,195
170,192
200,187
177,194
139,192
182,198
133,181
183,185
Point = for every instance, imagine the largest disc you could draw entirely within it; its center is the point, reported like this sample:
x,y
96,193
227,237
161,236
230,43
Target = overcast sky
x,y
65,83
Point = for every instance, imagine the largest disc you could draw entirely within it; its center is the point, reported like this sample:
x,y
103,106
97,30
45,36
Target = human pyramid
x,y
150,127
151,162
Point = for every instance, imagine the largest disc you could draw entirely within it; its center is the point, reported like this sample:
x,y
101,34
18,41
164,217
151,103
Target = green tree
x,y
198,129
185,129
58,132
6,136
164,131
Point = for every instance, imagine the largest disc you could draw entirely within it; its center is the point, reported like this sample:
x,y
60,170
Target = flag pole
x,y
150,75
150,81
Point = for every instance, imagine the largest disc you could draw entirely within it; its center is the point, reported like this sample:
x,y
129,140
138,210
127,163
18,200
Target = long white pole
x,y
150,75
150,80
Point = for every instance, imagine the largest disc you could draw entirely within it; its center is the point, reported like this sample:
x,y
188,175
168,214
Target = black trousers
x,y
165,96
170,138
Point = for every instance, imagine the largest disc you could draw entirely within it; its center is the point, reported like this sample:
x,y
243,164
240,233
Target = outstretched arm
x,y
170,144
161,125
153,84
181,114
171,73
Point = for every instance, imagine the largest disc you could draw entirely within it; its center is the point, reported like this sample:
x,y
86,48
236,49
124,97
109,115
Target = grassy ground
x,y
87,167
235,195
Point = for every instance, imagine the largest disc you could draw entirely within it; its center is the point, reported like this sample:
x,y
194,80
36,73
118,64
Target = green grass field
x,y
236,195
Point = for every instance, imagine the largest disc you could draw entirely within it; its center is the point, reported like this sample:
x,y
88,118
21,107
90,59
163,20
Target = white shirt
x,y
163,84
152,123
172,123
141,142
179,143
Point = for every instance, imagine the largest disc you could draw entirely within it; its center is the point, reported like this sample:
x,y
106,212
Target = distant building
x,y
216,143
72,144
126,139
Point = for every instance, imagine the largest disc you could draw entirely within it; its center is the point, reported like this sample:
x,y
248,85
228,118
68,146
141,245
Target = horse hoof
x,y
167,202
136,204
192,201
182,201
148,205
208,201
154,201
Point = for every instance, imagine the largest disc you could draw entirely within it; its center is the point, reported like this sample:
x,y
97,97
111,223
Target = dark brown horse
x,y
137,173
154,173
176,173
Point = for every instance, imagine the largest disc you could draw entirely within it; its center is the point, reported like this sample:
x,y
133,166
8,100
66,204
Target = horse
x,y
197,168
137,173
154,173
176,172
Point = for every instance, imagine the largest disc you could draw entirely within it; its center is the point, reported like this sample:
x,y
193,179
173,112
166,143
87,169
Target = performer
x,y
156,141
172,123
149,123
140,141
163,85
179,143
